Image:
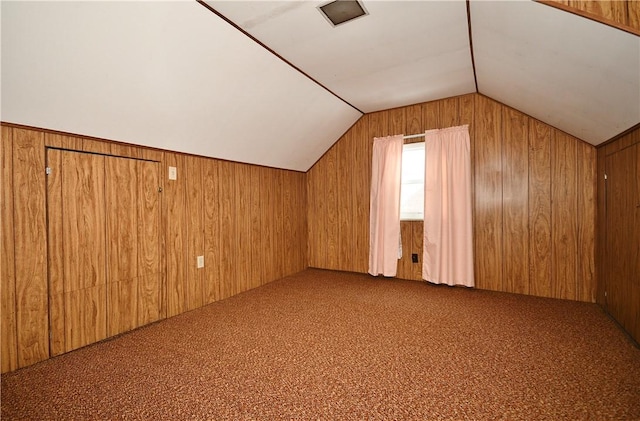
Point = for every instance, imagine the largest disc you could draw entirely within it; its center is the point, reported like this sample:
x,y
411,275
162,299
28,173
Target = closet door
x,y
77,242
122,250
622,265
105,268
133,232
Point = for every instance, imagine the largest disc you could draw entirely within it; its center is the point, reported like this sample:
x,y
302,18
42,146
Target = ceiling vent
x,y
338,12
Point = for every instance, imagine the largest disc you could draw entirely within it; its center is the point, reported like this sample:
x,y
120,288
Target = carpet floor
x,y
343,346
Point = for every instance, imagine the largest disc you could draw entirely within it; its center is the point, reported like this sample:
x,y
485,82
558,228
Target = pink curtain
x,y
448,236
384,205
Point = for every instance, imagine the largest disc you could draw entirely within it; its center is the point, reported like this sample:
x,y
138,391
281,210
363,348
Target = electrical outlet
x,y
200,262
414,257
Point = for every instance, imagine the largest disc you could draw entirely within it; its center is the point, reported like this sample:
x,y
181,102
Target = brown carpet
x,y
330,345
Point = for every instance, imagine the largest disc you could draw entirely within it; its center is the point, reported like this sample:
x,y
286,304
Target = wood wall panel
x,y
362,178
227,229
488,195
255,184
512,178
84,247
55,255
515,201
249,223
564,216
540,209
586,235
30,259
121,193
149,247
175,234
211,283
618,287
8,349
194,232
621,14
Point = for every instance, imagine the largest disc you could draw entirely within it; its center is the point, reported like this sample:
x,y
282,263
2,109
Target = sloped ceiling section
x,y
403,52
572,73
169,75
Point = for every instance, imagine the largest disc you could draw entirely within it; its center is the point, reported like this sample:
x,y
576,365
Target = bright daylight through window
x,y
412,187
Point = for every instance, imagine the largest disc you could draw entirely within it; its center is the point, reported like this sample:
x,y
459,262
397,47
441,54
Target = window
x,y
412,184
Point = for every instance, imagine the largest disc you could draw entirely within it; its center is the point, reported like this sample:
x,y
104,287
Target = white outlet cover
x,y
173,173
200,262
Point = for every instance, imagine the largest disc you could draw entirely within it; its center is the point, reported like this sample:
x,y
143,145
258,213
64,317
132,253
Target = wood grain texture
x,y
63,141
623,14
55,256
601,227
149,223
618,286
8,348
175,234
331,207
29,224
194,232
564,216
540,209
586,208
242,220
488,195
85,248
511,174
211,282
96,146
227,229
255,250
515,201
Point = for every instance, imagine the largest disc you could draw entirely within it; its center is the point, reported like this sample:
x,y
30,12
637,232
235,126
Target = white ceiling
x,y
177,76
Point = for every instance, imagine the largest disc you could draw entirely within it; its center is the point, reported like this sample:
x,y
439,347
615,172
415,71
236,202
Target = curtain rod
x,y
413,136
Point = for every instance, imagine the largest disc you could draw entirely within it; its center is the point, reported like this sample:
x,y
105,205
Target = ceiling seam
x,y
473,61
260,43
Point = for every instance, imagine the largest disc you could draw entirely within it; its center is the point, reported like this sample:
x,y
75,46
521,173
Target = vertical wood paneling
x,y
8,349
362,180
621,249
211,285
515,201
344,192
150,270
255,257
511,175
242,219
563,216
55,253
586,208
129,151
331,207
540,209
227,229
195,232
601,226
175,234
122,247
84,245
30,258
267,192
488,197
449,112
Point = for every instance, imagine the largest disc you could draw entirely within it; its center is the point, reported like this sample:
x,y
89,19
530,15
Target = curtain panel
x,y
384,205
448,235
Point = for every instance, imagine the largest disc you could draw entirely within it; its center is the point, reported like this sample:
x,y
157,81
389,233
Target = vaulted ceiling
x,y
273,83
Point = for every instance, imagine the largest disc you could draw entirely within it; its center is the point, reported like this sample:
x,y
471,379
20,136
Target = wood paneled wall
x,y
247,221
534,199
619,230
625,13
